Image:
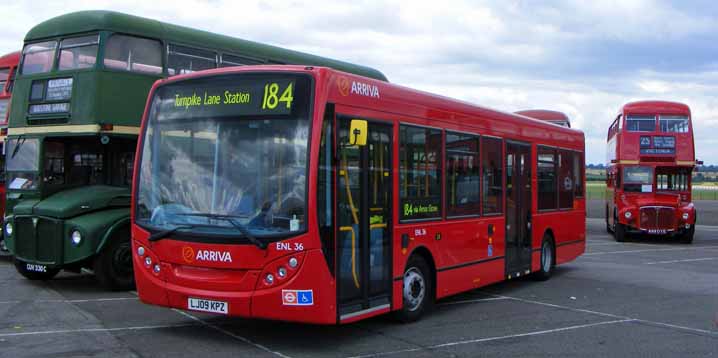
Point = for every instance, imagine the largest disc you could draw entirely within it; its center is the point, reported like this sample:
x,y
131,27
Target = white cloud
x,y
583,58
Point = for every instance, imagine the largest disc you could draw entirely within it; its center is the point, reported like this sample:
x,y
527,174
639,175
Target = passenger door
x,y
364,183
518,209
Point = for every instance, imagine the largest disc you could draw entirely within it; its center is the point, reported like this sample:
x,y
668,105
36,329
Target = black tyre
x,y
620,232
417,291
21,267
113,266
608,226
687,237
547,261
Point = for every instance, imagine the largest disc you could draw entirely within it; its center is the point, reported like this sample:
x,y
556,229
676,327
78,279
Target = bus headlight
x,y
141,251
685,216
293,262
628,215
76,237
269,279
282,272
8,229
148,261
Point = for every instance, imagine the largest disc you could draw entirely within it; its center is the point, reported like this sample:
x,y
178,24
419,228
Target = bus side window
x,y
419,172
129,53
181,59
492,187
547,179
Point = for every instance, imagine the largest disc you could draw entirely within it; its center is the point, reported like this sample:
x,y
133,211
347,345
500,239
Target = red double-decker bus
x,y
8,65
312,195
651,157
550,116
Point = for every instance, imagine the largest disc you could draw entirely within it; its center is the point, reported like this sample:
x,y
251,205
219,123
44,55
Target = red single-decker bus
x,y
312,195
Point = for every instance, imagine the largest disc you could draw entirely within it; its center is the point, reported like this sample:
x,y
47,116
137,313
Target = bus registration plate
x,y
199,304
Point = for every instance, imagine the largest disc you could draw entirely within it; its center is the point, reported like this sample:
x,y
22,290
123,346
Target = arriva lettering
x,y
207,255
364,89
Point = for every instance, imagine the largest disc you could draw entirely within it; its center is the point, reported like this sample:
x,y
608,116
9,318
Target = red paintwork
x,y
554,117
464,241
9,61
624,150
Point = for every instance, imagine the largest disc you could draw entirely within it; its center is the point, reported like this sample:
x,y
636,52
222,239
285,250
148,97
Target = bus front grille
x,y
38,239
657,218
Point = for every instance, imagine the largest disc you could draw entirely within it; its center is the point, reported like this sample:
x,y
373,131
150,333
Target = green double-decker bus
x,y
75,115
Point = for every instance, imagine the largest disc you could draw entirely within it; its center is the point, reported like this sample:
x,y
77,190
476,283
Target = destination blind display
x,y
239,97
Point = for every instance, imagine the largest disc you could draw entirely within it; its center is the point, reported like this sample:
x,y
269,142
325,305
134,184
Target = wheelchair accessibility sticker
x,y
297,297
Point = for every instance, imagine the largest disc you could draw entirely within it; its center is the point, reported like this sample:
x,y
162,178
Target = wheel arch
x,y
115,228
425,253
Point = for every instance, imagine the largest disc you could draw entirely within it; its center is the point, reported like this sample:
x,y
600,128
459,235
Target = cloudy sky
x,y
585,58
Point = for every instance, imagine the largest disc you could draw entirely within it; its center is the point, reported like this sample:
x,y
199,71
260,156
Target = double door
x,y
364,184
518,208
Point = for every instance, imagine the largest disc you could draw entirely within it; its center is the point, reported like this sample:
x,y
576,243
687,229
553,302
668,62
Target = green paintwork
x,y
78,201
93,227
89,21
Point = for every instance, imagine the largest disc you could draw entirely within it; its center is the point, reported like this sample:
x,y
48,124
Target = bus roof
x,y
656,107
546,115
441,107
87,21
9,60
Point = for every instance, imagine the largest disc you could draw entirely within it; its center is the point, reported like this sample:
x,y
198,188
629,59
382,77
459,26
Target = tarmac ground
x,y
652,298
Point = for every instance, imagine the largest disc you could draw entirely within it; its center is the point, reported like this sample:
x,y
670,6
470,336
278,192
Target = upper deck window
x,y
231,60
181,59
673,124
78,52
134,54
38,57
4,75
640,123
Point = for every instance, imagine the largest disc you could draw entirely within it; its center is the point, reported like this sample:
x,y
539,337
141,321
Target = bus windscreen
x,y
227,157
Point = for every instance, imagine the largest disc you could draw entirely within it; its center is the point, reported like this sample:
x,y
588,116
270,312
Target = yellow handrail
x,y
354,266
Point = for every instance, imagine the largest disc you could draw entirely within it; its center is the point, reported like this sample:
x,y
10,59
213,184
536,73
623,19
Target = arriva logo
x,y
364,89
205,255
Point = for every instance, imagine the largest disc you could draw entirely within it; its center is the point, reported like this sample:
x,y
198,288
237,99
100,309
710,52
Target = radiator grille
x,y
658,218
39,241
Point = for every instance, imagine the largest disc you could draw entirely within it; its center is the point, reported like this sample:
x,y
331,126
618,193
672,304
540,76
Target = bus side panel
x,y
569,232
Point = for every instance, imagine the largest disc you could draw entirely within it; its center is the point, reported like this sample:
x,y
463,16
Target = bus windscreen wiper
x,y
18,144
231,219
164,233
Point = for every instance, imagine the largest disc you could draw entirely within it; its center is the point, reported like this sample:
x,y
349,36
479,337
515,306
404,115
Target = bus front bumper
x,y
252,298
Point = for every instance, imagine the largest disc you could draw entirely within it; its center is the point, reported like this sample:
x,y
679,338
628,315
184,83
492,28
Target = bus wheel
x,y
113,266
21,267
620,232
547,260
687,237
608,226
417,290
